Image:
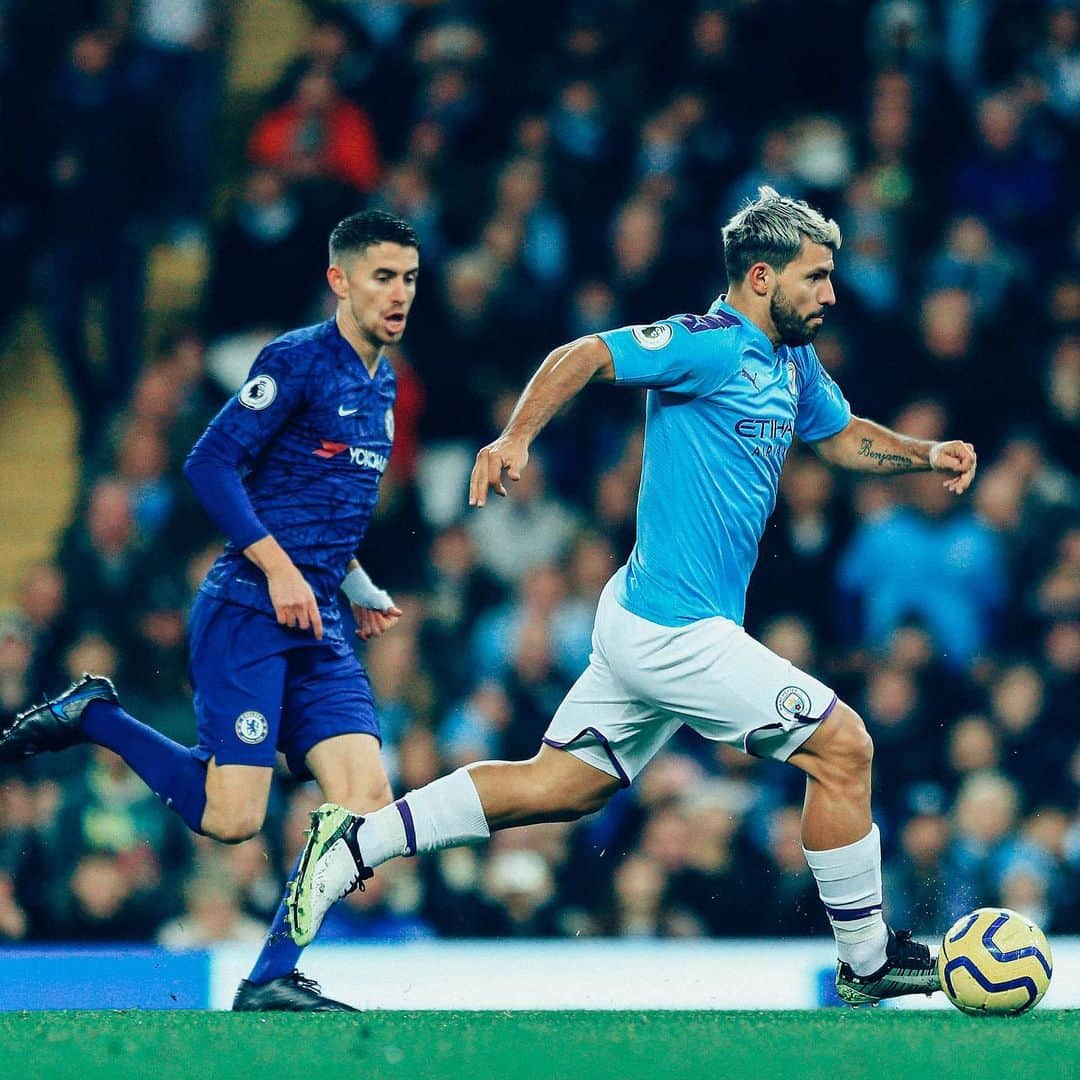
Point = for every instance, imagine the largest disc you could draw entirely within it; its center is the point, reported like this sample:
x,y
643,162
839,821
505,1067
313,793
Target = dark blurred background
x,y
169,170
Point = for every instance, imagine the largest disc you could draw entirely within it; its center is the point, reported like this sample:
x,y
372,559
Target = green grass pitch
x,y
833,1044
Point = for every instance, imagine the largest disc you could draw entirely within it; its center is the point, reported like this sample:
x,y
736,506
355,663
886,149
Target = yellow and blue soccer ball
x,y
994,960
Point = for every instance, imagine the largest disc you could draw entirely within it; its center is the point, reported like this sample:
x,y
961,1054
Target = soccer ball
x,y
994,961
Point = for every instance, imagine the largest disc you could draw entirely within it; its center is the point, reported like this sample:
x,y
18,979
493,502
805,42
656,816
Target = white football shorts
x,y
644,681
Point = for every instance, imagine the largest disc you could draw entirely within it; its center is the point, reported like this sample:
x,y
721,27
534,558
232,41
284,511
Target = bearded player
x,y
727,393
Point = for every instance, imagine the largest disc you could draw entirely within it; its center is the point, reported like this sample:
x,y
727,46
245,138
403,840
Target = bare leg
x,y
236,798
553,786
836,760
840,842
350,772
460,808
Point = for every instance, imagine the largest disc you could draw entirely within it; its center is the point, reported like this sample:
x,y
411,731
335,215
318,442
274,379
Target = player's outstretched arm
x,y
562,374
868,447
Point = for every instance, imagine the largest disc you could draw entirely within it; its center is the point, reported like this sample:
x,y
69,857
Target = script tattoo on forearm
x,y
882,459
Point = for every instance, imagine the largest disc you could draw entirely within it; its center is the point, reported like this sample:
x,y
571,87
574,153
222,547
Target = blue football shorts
x,y
261,687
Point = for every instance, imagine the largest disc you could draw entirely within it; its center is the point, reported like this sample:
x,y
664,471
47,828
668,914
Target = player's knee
x,y
552,787
588,802
570,804
851,746
231,826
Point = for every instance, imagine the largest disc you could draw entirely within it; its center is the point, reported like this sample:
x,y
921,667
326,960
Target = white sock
x,y
442,814
849,884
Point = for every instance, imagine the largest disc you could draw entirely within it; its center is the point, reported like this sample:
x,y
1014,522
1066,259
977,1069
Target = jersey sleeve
x,y
823,409
213,470
274,390
687,354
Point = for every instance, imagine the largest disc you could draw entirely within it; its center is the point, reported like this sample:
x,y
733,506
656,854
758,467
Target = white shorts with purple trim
x,y
644,681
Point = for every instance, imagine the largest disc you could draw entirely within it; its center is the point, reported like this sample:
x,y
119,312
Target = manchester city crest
x,y
793,703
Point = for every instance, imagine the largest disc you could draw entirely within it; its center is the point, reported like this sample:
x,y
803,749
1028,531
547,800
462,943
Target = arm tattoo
x,y
880,458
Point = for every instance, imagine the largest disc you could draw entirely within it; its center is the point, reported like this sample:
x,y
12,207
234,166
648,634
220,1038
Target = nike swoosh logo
x,y
342,411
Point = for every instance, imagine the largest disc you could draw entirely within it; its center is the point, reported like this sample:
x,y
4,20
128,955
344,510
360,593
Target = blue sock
x,y
279,953
171,771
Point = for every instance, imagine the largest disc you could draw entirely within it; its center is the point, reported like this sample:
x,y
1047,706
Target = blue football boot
x,y
56,724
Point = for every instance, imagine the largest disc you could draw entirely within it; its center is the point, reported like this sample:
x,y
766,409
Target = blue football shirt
x,y
720,413
317,429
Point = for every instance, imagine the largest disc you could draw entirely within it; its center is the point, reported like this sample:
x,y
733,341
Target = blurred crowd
x,y
568,167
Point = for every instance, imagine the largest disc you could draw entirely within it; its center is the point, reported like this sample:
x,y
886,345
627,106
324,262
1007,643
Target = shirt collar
x,y
721,304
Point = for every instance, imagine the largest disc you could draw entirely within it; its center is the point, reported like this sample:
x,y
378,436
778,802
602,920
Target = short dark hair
x,y
356,233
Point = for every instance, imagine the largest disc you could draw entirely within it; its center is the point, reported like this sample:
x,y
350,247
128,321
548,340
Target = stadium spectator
x,y
177,63
894,713
331,48
985,814
407,190
403,691
918,875
249,865
772,167
1056,63
520,193
41,598
16,657
518,890
104,177
534,685
100,558
1006,179
459,328
473,728
892,555
457,592
871,270
800,547
142,461
790,907
212,914
14,924
970,259
723,887
1063,397
319,135
99,902
973,745
269,227
1029,748
521,534
106,811
639,907
542,601
584,147
23,153
642,280
387,912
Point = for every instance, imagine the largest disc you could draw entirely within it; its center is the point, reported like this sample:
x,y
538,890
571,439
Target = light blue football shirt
x,y
720,415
